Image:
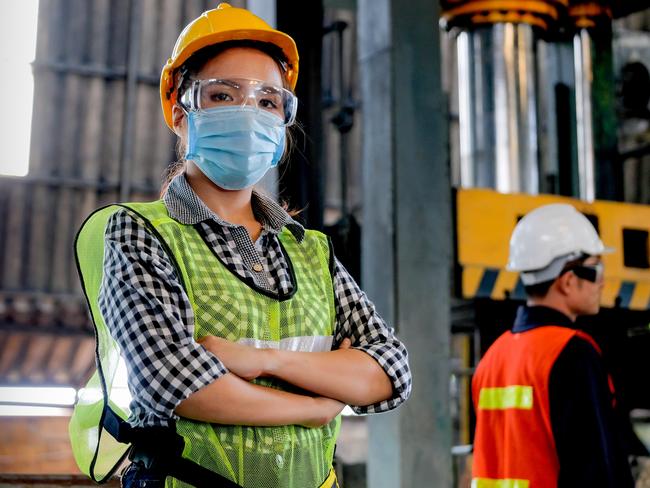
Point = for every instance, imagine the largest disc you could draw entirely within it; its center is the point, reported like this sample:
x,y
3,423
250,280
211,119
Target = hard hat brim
x,y
608,250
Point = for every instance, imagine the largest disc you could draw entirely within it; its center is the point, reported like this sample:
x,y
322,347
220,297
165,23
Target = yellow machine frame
x,y
486,219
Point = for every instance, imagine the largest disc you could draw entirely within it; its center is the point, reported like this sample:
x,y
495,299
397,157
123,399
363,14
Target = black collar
x,y
537,316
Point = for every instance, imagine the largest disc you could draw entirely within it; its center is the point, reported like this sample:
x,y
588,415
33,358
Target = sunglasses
x,y
589,272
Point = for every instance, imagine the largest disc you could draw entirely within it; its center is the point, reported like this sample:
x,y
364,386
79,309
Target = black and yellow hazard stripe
x,y
498,284
485,220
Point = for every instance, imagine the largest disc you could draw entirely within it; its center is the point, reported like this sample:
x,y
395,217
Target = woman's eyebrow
x,y
270,89
231,83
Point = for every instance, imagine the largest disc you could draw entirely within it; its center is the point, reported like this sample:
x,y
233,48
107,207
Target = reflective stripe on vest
x,y
301,344
502,483
515,396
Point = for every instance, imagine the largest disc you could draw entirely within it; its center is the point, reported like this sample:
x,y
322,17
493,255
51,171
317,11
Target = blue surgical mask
x,y
234,146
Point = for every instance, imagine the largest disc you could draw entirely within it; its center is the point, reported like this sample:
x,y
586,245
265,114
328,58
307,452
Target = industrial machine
x,y
537,123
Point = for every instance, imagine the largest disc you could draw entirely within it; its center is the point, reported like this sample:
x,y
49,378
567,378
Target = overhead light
x,y
33,411
37,396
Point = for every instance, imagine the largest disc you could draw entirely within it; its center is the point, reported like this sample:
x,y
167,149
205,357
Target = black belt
x,y
160,450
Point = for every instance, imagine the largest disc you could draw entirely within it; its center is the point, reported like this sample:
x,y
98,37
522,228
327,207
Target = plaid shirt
x,y
147,311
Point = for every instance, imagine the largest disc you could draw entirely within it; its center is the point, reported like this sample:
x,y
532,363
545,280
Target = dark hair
x,y
187,72
539,290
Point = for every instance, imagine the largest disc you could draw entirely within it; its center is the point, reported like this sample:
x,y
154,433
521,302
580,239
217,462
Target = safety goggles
x,y
589,272
213,93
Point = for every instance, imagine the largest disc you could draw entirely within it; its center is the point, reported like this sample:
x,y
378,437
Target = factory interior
x,y
426,130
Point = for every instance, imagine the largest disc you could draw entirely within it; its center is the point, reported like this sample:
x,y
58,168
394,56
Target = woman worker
x,y
239,328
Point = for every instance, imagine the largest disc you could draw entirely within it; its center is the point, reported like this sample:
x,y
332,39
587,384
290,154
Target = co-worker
x,y
240,329
543,400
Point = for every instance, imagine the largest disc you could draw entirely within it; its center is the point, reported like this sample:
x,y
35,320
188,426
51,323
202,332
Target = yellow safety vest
x,y
288,456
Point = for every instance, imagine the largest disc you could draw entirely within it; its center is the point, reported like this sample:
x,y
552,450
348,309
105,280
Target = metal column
x,y
584,74
601,175
497,108
406,246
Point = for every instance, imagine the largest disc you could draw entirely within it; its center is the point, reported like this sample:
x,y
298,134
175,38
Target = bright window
x,y
36,401
17,50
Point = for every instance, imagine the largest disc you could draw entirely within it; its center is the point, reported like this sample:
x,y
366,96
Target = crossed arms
x,y
340,377
148,313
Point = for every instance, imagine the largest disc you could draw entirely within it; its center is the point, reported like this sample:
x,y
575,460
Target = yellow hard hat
x,y
225,23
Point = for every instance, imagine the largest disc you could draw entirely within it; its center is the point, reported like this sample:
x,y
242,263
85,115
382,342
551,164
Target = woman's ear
x,y
178,119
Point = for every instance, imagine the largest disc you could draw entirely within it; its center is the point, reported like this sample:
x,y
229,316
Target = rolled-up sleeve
x,y
148,313
357,319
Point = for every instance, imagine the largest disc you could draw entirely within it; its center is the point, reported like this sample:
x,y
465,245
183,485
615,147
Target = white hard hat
x,y
551,234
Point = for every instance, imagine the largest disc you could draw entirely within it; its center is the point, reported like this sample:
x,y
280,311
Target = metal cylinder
x,y
598,173
497,108
582,52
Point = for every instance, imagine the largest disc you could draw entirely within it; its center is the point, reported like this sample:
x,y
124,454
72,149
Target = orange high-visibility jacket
x,y
514,445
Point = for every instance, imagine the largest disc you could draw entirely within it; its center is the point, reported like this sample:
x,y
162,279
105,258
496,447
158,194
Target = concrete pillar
x,y
407,231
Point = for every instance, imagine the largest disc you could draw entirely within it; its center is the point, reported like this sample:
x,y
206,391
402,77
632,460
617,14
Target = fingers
x,y
346,344
209,341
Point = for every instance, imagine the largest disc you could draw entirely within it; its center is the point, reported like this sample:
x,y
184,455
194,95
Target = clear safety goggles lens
x,y
212,93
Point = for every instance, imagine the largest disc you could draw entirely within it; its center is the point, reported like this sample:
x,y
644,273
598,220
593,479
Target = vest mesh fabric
x,y
96,452
286,456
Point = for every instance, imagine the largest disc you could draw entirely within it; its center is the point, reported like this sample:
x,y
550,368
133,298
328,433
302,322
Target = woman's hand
x,y
325,410
345,344
244,361
345,374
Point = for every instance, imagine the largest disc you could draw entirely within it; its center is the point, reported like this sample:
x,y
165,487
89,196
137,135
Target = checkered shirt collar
x,y
186,207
